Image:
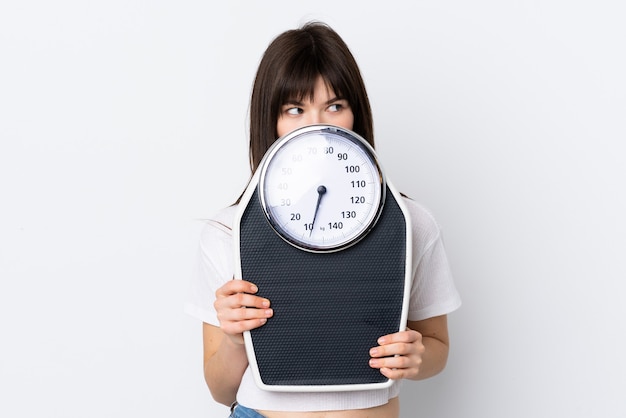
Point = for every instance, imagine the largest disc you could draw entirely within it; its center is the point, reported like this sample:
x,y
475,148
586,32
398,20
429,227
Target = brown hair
x,y
289,69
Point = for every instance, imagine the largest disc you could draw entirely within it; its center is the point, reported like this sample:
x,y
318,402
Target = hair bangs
x,y
300,85
302,79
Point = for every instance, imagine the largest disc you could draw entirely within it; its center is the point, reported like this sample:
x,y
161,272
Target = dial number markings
x,y
322,192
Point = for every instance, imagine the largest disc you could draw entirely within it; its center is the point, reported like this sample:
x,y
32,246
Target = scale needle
x,y
321,190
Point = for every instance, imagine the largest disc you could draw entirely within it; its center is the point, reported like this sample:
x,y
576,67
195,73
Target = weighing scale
x,y
327,239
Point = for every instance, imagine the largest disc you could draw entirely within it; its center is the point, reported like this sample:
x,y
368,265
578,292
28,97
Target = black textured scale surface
x,y
329,308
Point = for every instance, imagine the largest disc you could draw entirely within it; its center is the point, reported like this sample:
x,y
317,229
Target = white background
x,y
123,124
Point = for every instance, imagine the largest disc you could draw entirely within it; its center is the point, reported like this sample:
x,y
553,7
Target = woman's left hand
x,y
398,355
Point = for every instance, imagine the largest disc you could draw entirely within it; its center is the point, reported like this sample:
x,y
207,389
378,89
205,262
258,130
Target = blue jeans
x,y
240,411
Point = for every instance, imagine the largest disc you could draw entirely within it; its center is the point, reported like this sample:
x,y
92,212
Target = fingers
x,y
239,326
239,314
402,342
238,309
241,300
236,286
399,355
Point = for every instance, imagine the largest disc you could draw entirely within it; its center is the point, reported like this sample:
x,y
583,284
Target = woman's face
x,y
325,108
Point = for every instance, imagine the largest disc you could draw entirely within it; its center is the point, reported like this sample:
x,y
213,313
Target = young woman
x,y
309,76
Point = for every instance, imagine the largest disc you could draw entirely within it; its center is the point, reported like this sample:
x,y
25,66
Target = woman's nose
x,y
314,118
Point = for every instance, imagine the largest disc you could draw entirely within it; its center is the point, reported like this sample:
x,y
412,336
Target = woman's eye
x,y
293,111
336,107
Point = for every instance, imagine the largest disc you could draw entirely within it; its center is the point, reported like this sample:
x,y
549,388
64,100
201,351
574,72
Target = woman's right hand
x,y
239,309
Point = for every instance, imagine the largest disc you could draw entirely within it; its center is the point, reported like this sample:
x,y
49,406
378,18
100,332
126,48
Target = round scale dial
x,y
321,187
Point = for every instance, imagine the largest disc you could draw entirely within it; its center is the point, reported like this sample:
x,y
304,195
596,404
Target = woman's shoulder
x,y
220,223
225,216
423,222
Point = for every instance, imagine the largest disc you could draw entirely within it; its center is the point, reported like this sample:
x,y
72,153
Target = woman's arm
x,y
224,364
225,360
417,353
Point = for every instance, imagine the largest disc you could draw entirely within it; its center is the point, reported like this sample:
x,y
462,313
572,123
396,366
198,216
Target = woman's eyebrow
x,y
290,102
335,99
295,102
